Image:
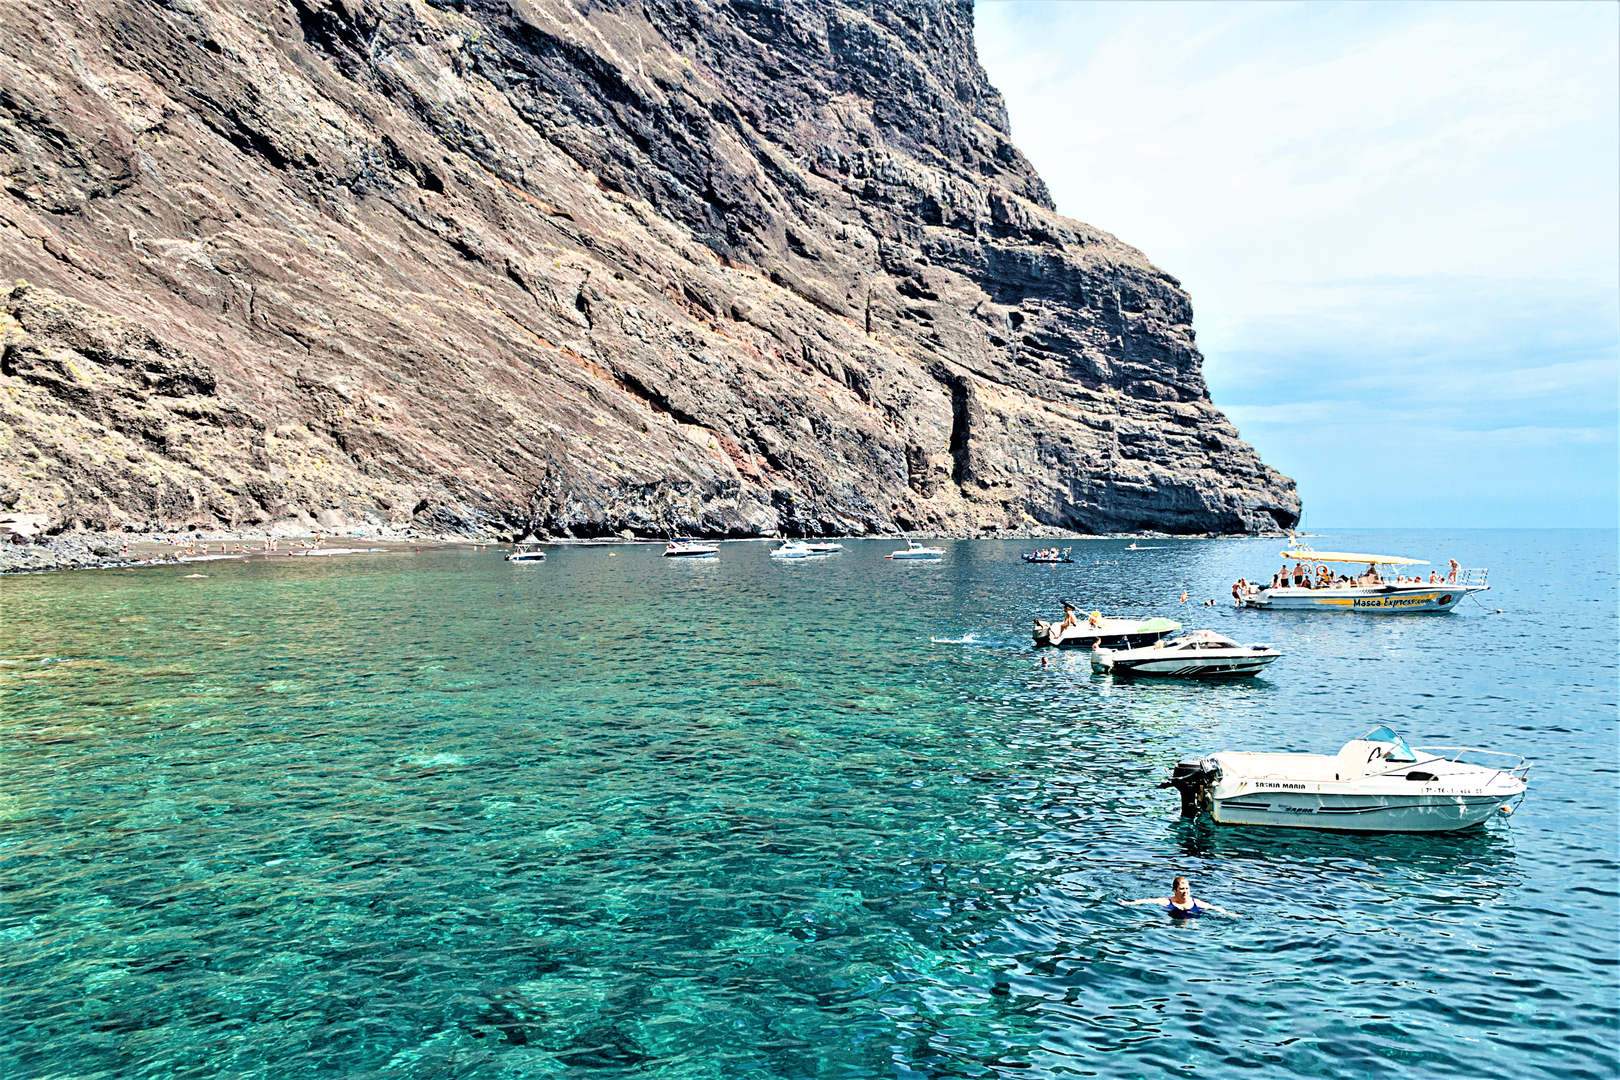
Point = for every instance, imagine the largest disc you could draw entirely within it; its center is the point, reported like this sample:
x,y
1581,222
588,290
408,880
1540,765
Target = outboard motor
x,y
1195,779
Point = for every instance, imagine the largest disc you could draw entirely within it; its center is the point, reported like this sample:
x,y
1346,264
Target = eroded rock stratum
x,y
657,265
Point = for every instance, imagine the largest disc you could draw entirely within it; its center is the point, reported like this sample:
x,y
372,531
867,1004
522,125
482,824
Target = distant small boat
x,y
1134,546
1048,555
794,549
526,553
914,551
686,548
823,547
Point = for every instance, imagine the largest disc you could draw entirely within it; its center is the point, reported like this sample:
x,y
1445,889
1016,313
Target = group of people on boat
x,y
1048,554
1301,577
1071,617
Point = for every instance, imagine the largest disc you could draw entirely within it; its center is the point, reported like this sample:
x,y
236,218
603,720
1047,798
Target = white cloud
x,y
1388,216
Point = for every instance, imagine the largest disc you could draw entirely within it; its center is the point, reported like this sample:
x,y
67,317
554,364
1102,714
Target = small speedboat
x,y
686,548
1376,783
823,547
1109,633
793,549
1048,555
916,551
1197,654
526,553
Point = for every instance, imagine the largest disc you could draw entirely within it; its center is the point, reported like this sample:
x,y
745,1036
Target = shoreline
x,y
129,551
132,551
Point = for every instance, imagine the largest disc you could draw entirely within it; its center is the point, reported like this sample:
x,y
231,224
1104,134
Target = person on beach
x,y
1180,903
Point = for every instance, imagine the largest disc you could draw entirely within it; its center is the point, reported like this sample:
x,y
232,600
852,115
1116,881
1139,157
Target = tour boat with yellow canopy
x,y
1383,586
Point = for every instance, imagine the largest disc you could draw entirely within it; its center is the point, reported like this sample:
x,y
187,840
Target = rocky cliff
x,y
714,266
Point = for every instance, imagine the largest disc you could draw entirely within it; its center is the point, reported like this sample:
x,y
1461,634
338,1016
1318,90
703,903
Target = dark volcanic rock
x,y
646,265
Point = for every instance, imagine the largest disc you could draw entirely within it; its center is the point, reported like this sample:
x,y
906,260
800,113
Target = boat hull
x,y
1358,813
1126,640
1377,600
525,558
1235,667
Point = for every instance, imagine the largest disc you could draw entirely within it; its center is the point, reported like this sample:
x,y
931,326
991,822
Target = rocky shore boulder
x,y
727,267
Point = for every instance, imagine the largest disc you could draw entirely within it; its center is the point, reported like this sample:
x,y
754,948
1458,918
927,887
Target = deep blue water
x,y
437,815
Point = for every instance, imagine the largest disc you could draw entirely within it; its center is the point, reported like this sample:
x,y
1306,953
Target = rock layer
x,y
727,268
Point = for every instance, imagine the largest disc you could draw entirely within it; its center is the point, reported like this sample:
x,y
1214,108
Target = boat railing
x,y
1520,767
1473,575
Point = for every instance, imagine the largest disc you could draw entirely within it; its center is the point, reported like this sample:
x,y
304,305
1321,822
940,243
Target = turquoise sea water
x,y
438,815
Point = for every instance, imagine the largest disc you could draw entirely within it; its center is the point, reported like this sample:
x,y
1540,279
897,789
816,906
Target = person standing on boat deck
x,y
1180,903
1455,569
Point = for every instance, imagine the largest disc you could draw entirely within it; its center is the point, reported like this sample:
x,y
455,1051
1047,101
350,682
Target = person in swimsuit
x,y
1180,903
1069,621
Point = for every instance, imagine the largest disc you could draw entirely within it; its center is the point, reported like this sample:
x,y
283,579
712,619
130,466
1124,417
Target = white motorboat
x,y
1383,587
916,551
823,547
1376,783
686,548
526,553
1101,630
1197,654
794,549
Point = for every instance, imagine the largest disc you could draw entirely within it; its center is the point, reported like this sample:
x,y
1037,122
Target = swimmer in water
x,y
1180,903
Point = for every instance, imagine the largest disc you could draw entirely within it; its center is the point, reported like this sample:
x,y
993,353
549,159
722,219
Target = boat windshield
x,y
1398,749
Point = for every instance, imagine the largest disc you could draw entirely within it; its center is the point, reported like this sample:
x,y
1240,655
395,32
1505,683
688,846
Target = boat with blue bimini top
x,y
1385,587
1376,783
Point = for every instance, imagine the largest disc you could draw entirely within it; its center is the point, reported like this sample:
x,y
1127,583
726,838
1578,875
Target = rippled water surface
x,y
438,815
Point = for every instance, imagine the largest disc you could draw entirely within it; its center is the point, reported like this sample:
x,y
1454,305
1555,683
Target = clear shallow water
x,y
436,815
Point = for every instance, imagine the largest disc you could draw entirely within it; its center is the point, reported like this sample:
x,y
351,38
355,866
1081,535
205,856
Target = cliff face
x,y
586,265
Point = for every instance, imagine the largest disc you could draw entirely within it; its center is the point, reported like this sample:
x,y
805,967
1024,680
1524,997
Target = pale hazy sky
x,y
1399,223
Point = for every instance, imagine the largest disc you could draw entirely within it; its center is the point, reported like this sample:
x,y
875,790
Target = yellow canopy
x,y
1307,555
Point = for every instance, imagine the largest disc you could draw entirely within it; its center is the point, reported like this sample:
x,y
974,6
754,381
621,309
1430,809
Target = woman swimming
x,y
1180,903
